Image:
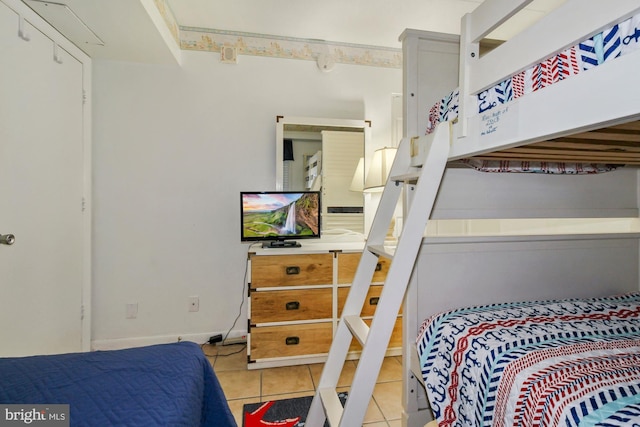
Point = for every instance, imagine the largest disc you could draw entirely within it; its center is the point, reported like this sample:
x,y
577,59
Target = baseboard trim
x,y
121,343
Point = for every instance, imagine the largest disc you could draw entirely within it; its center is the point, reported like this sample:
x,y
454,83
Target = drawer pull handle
x,y
292,305
292,341
378,267
292,270
374,300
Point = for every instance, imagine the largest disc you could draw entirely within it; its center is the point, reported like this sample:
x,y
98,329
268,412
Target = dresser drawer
x,y
394,342
291,270
290,340
348,263
370,303
289,305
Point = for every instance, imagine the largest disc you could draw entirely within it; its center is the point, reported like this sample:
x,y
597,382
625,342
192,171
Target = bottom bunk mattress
x,y
550,363
160,385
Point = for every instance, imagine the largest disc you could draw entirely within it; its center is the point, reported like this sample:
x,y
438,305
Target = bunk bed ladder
x,y
421,187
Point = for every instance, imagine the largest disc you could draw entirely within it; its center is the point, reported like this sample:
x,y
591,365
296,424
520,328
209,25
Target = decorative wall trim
x,y
211,40
169,19
289,47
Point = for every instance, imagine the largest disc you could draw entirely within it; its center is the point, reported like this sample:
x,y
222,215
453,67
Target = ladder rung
x,y
407,177
381,250
332,405
358,328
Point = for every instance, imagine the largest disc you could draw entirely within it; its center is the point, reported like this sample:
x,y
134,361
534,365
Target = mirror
x,y
323,154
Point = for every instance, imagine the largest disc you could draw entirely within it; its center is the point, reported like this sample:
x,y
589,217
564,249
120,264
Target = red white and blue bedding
x,y
619,40
554,363
161,385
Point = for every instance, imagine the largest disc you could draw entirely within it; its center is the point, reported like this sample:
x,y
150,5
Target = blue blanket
x,y
161,385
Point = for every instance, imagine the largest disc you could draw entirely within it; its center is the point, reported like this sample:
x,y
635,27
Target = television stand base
x,y
281,244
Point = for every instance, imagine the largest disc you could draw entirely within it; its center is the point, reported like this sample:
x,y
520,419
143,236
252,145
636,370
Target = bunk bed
x,y
519,108
166,384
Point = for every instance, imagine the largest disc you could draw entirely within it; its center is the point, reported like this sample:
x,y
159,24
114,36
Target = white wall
x,y
173,147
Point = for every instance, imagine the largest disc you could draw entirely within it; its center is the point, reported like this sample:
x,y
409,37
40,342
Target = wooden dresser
x,y
295,300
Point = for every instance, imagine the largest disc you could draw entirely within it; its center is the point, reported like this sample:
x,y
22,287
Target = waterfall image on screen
x,y
280,215
290,225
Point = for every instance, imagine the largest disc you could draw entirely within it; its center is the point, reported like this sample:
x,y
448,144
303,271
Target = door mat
x,y
280,413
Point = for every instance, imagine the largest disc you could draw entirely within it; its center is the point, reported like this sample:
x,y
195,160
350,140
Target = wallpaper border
x,y
212,40
288,47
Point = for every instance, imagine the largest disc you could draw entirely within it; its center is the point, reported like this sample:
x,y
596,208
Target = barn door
x,y
41,191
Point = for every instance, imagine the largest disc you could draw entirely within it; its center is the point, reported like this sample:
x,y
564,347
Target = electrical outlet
x,y
194,304
131,310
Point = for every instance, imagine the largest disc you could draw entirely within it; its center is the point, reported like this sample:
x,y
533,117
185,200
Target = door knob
x,y
7,239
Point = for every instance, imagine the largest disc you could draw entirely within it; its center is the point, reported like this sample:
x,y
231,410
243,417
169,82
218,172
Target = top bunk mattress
x,y
616,41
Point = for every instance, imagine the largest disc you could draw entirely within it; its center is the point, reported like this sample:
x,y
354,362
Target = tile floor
x,y
244,386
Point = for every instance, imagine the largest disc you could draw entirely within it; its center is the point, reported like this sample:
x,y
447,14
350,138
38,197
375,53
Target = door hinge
x,y
84,96
82,312
83,207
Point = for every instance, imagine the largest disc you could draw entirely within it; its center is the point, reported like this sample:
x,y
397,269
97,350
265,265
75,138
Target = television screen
x,y
279,216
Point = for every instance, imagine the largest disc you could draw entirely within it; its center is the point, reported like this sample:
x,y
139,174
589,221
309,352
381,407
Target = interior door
x,y
41,186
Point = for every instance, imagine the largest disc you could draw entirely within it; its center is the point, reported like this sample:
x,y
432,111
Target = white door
x,y
41,189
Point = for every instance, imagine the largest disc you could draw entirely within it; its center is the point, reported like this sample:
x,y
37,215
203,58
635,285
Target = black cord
x,y
217,354
244,285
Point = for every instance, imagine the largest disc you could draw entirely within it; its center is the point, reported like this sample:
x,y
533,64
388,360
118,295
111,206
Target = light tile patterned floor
x,y
242,386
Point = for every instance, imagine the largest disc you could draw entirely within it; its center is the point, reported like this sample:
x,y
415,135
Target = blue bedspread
x,y
160,385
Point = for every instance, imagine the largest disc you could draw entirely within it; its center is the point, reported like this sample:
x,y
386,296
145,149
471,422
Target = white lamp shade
x,y
379,169
357,183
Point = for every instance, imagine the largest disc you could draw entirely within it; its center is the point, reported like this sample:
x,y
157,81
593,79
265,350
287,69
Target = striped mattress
x,y
553,363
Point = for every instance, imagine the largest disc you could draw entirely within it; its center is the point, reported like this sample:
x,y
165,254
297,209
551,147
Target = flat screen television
x,y
278,218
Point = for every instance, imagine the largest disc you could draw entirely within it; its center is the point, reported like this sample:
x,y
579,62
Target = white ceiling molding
x,y
289,47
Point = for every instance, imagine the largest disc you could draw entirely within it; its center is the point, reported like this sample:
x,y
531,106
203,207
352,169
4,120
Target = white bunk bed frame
x,y
420,166
603,96
533,117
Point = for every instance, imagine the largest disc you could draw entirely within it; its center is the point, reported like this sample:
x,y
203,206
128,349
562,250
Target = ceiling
x,y
128,31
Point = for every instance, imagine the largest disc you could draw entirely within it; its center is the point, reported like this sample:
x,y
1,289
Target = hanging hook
x,y
7,239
